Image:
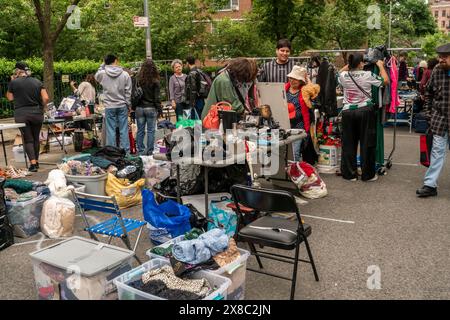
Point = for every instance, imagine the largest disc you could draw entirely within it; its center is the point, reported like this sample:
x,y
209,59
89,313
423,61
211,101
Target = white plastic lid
x,y
84,256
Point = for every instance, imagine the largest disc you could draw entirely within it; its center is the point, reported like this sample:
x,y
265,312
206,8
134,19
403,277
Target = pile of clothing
x,y
163,283
211,250
13,173
79,168
106,160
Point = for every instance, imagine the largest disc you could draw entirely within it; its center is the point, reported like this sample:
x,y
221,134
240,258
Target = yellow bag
x,y
127,195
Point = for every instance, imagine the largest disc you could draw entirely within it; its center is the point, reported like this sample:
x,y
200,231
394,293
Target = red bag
x,y
212,121
426,143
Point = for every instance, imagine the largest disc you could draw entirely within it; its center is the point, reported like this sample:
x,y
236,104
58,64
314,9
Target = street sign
x,y
140,22
65,78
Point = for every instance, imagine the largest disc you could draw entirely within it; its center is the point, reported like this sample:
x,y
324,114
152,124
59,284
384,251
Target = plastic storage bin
x,y
79,269
26,216
128,293
94,184
18,153
235,271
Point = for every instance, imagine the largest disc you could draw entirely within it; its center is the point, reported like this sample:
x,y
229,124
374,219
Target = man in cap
x,y
437,106
30,98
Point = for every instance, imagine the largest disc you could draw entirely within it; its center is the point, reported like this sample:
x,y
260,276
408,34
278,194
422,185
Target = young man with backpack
x,y
197,87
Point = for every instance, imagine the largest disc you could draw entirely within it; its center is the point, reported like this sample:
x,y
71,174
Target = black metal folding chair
x,y
275,232
115,227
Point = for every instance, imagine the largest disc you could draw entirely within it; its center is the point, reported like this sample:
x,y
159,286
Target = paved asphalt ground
x,y
359,231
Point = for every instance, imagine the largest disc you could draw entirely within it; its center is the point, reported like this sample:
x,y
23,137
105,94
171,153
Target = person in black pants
x,y
359,117
30,98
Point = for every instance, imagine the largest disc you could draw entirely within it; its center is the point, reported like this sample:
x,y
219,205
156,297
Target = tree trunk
x,y
49,69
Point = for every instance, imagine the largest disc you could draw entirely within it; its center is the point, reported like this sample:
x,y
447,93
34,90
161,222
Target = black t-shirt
x,y
27,94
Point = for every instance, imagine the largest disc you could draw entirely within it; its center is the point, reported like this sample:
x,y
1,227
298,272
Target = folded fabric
x,y
200,287
160,251
101,162
21,186
159,289
191,251
193,234
228,256
216,240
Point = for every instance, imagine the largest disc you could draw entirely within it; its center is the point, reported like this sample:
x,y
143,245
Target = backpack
x,y
205,84
136,94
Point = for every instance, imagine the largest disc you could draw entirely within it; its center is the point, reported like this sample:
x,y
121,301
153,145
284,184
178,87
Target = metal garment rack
x,y
388,160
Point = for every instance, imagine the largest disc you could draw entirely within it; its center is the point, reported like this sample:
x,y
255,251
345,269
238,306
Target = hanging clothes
x,y
395,100
326,78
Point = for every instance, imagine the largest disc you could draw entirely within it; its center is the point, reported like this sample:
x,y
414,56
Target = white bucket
x,y
94,184
328,156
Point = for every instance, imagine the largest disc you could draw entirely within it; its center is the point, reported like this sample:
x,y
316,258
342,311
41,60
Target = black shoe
x,y
33,168
426,191
37,165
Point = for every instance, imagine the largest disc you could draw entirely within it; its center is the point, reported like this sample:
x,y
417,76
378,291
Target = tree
x,y
231,39
431,42
297,20
50,29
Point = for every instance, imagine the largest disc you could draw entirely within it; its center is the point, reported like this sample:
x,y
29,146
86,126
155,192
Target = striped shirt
x,y
275,72
437,101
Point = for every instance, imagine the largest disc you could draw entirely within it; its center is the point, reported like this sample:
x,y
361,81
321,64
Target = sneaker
x,y
33,168
426,191
354,179
375,178
37,165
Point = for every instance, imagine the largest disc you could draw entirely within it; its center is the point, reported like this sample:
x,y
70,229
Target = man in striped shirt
x,y
278,69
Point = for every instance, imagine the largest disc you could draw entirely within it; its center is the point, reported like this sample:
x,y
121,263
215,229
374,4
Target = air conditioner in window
x,y
235,8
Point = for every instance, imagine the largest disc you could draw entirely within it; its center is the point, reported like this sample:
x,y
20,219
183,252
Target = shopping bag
x,y
169,215
426,143
223,217
127,195
212,121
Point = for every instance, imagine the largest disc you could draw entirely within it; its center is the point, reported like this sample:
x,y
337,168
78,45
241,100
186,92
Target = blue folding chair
x,y
115,227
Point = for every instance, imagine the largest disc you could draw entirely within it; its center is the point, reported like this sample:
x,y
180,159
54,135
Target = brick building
x,y
440,9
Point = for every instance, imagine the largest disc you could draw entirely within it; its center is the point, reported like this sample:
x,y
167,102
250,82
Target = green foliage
x,y
433,41
237,39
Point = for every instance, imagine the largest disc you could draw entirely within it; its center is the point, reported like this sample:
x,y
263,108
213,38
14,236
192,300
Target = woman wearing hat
x,y
30,98
298,110
359,117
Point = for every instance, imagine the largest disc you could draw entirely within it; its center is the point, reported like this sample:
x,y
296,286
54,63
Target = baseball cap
x,y
22,66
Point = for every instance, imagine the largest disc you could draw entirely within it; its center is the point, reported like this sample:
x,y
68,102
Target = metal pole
x,y
148,40
390,23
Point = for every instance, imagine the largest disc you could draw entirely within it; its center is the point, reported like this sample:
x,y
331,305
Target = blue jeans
x,y
117,117
199,104
438,155
145,116
297,148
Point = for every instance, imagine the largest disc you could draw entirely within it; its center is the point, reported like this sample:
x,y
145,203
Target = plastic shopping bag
x,y
58,217
127,195
221,216
169,215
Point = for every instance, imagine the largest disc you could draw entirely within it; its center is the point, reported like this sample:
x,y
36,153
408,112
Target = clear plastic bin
x,y
128,293
79,269
235,271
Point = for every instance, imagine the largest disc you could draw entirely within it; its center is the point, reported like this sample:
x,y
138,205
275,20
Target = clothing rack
x,y
387,161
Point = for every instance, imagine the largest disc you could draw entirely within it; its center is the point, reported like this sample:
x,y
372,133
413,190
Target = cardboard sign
x,y
65,78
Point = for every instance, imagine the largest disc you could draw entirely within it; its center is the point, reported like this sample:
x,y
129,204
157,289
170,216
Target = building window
x,y
232,5
443,13
436,14
443,24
